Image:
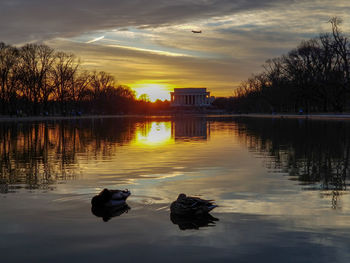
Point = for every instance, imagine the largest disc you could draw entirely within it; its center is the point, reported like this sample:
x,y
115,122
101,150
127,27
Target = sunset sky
x,y
149,45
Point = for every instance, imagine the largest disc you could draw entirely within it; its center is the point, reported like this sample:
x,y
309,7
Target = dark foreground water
x,y
281,186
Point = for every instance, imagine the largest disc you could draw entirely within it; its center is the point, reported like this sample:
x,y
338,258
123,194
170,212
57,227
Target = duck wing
x,y
196,201
115,203
192,205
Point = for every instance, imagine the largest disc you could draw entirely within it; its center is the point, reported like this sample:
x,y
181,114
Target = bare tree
x,y
64,70
80,89
8,64
35,65
341,47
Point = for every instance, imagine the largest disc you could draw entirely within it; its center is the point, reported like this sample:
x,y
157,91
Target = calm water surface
x,y
282,188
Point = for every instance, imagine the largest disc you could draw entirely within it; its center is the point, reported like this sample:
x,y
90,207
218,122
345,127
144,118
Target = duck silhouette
x,y
110,203
109,198
190,206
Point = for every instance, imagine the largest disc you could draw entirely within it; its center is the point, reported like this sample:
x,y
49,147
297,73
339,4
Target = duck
x,y
188,206
110,198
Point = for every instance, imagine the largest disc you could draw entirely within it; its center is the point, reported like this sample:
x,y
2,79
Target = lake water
x,y
281,187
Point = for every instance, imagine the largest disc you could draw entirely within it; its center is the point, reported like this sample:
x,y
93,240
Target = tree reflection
x,y
315,153
36,155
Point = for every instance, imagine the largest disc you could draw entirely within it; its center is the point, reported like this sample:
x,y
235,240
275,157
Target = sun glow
x,y
152,92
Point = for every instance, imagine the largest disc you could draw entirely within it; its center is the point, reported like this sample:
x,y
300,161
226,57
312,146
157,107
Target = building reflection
x,y
157,133
190,129
316,154
36,155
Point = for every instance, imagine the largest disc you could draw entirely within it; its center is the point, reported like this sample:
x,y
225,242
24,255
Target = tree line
x,y
37,80
314,77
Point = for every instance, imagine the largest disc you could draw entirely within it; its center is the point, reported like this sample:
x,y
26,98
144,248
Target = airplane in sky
x,y
197,31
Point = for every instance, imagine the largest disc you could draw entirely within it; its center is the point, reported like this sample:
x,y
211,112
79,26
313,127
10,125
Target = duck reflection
x,y
108,212
193,221
190,129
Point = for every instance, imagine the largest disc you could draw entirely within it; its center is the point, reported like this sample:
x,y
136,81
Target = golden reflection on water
x,y
241,164
153,134
274,181
157,133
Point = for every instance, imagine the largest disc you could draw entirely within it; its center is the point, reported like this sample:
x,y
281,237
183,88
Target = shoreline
x,y
84,117
315,116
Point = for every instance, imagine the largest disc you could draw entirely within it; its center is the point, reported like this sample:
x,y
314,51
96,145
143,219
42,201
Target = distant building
x,y
191,97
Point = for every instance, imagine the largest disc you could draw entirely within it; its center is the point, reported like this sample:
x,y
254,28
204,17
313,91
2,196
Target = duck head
x,y
125,193
120,194
181,197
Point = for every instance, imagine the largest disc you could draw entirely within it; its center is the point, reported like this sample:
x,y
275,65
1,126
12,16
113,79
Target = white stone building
x,y
191,97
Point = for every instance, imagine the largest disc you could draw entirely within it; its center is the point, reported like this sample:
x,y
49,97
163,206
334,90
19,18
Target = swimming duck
x,y
110,198
187,205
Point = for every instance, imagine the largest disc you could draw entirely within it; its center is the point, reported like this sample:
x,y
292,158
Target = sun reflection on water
x,y
153,134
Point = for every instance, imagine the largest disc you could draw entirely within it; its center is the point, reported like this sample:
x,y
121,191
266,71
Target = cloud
x,y
132,66
23,20
95,39
153,41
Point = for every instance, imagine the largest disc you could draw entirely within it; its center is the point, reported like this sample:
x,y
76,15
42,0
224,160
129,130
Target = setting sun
x,y
152,91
